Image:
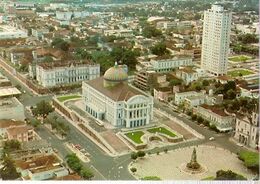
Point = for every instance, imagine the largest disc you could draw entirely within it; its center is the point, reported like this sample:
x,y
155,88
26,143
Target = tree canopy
x,y
159,49
43,108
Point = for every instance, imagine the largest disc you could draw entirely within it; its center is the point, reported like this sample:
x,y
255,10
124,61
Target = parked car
x,y
211,138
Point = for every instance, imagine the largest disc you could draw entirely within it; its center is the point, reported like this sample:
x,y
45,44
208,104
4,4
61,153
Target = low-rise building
x,y
247,130
119,33
179,97
21,133
9,32
216,117
162,93
8,123
187,74
59,73
143,78
167,64
41,168
11,108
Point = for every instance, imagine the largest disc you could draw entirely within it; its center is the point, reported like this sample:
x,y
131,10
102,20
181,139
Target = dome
x,y
116,73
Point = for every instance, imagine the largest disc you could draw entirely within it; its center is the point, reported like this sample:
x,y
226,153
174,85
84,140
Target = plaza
x,y
168,166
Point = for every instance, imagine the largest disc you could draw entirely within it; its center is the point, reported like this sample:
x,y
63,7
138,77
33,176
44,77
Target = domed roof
x,y
116,73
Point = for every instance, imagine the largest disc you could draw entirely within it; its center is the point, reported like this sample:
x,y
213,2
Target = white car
x,y
211,138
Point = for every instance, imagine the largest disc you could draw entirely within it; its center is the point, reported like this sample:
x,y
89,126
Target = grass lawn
x,y
161,130
208,178
135,136
241,58
151,178
241,72
251,159
64,98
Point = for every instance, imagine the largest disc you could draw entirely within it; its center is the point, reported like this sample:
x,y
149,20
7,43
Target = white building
x,y
215,41
109,98
247,130
179,97
9,32
64,15
41,168
11,108
119,33
161,64
57,73
216,117
187,74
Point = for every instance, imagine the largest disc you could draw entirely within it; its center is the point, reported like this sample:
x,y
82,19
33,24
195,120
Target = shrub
x,y
134,156
140,153
250,159
228,175
194,117
165,150
189,113
199,119
158,153
133,169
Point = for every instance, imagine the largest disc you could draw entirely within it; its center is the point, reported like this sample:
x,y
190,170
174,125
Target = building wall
x,y
216,38
167,65
247,132
66,75
137,111
180,97
221,122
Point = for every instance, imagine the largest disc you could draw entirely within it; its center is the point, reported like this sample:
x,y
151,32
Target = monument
x,y
193,164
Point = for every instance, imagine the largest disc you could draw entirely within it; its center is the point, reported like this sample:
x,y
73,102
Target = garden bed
x,y
162,130
135,136
68,97
240,73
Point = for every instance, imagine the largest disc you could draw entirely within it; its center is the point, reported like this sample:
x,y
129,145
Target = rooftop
x,y
119,92
214,109
9,91
5,123
9,102
39,164
12,131
57,64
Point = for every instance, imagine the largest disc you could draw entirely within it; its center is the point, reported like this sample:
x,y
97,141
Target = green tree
x,y
133,169
205,82
48,59
134,156
11,145
250,159
60,44
8,171
228,175
151,31
74,162
140,153
231,94
159,49
199,119
43,108
194,117
86,174
35,123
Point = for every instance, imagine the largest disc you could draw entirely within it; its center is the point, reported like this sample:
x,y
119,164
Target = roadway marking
x,y
98,172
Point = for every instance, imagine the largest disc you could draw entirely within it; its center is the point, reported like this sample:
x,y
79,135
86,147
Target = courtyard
x,y
239,58
240,73
167,166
